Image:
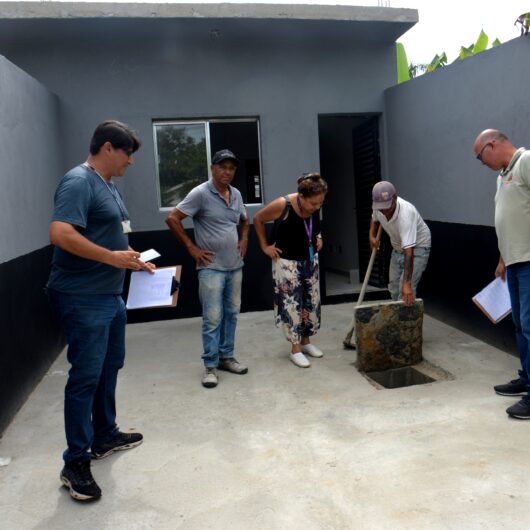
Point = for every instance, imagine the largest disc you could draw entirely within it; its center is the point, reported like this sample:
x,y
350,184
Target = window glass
x,y
182,160
184,151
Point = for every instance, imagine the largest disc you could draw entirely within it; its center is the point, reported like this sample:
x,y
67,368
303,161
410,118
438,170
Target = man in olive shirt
x,y
512,219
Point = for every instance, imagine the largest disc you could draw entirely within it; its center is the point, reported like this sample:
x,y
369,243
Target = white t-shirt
x,y
405,228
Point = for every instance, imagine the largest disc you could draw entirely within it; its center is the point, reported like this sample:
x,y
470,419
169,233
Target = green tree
x,y
182,163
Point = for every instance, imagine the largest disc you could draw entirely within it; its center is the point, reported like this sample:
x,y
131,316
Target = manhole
x,y
400,377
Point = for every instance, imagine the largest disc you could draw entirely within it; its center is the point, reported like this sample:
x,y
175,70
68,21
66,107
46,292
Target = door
x,y
367,170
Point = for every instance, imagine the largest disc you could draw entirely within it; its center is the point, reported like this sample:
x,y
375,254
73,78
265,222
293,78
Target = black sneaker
x,y
77,477
521,410
517,387
122,441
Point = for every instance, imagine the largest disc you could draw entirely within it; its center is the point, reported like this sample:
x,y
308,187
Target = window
x,y
184,149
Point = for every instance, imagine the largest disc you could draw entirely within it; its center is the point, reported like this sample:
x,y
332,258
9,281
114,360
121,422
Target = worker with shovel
x,y
411,244
410,238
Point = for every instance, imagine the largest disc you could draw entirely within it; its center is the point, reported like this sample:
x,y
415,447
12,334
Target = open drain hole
x,y
400,377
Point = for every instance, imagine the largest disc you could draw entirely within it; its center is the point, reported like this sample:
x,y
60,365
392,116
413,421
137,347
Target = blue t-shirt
x,y
96,209
215,223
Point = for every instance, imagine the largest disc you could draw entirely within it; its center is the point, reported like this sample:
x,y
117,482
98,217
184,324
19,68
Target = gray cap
x,y
224,154
382,194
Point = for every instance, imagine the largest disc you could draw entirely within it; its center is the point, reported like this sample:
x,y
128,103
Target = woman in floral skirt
x,y
294,246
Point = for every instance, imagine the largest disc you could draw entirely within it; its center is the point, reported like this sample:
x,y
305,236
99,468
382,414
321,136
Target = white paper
x,y
495,299
148,255
151,290
5,461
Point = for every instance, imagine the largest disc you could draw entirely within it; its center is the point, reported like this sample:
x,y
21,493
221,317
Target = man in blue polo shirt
x,y
217,209
89,229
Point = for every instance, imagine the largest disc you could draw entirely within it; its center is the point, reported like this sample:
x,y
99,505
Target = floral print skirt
x,y
296,297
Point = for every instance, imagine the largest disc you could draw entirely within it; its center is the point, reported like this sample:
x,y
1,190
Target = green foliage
x,y
481,44
439,61
417,69
403,72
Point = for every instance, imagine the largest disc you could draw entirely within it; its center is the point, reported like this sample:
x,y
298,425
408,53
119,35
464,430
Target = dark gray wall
x,y
431,125
137,71
30,151
29,155
432,122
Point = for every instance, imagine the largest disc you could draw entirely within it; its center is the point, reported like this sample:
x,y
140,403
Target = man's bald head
x,y
490,134
493,149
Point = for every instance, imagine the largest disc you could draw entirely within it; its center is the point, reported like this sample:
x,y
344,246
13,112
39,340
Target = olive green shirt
x,y
512,209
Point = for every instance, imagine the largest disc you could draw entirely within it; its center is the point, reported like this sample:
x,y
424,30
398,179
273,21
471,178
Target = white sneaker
x,y
312,350
300,359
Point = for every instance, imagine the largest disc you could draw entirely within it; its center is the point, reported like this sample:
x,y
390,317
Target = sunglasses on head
x,y
312,176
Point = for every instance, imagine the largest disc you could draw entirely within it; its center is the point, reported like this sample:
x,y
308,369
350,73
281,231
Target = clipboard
x,y
159,289
494,300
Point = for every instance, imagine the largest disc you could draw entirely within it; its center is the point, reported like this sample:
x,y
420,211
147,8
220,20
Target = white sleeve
x,y
408,228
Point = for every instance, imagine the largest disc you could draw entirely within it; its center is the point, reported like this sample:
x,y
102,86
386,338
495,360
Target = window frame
x,y
206,122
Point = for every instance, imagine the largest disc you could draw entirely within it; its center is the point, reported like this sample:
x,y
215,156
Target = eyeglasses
x,y
479,156
127,150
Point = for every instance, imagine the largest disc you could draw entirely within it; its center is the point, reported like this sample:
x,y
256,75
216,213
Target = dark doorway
x,y
350,162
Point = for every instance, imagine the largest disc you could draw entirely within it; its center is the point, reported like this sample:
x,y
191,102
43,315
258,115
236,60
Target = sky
x,y
444,26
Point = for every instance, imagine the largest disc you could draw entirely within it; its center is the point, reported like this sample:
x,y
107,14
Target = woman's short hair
x,y
311,184
120,136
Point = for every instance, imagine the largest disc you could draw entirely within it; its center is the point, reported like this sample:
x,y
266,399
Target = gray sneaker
x,y
209,378
232,365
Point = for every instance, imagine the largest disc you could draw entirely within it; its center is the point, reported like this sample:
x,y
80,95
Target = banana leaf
x,y
437,62
402,63
481,44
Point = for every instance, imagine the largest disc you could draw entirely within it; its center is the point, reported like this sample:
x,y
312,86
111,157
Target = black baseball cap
x,y
224,154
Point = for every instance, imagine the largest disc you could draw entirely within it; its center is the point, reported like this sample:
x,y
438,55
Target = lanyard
x,y
308,226
113,191
308,230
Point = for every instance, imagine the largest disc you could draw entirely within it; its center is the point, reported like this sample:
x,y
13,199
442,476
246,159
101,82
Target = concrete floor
x,y
282,447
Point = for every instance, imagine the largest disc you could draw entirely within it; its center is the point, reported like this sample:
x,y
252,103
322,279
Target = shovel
x,y
347,341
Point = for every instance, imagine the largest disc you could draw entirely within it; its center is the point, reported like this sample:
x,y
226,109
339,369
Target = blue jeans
x,y
395,274
220,296
95,330
518,278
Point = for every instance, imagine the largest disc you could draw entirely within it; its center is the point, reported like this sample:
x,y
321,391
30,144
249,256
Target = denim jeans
x,y
518,278
220,296
95,330
397,262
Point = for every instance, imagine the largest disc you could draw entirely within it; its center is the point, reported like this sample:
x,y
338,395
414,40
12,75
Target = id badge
x,y
126,225
311,253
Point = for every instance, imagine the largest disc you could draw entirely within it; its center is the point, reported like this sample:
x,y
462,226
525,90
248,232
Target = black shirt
x,y
292,237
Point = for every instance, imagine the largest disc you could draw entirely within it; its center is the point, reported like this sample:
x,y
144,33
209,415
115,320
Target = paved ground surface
x,y
283,447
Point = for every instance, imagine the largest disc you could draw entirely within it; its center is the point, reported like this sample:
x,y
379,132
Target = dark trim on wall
x,y
30,339
462,262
